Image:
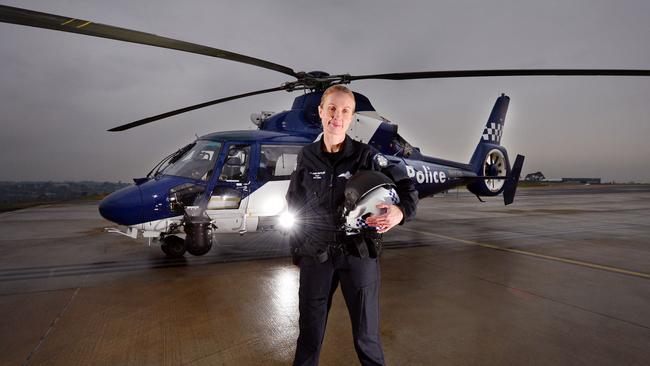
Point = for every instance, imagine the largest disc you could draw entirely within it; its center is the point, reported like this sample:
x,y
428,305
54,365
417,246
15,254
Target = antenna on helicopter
x,y
259,118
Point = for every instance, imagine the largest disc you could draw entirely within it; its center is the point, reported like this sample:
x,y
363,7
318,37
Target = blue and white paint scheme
x,y
240,178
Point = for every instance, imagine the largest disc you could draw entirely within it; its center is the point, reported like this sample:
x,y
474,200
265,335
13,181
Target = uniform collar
x,y
348,147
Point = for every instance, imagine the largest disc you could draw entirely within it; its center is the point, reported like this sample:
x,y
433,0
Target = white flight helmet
x,y
363,192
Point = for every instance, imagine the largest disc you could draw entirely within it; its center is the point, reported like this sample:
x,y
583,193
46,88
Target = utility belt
x,y
368,245
338,249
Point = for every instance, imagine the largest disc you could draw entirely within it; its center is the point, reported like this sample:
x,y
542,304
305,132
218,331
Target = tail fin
x,y
494,126
490,159
492,132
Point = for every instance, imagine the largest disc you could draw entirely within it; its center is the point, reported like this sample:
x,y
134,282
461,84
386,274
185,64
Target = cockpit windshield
x,y
197,163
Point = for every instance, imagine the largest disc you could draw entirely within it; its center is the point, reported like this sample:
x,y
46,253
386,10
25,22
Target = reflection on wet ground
x,y
560,277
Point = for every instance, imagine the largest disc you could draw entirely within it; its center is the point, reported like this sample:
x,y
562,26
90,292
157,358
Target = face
x,y
336,113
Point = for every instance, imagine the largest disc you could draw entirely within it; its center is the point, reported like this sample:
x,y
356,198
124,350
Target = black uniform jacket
x,y
316,194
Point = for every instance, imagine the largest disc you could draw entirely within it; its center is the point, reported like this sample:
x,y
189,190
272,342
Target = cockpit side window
x,y
197,163
235,167
277,162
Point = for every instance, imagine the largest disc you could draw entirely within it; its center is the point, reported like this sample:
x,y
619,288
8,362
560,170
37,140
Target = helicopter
x,y
236,181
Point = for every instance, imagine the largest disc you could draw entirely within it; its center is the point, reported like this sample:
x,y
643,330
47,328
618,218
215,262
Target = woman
x,y
325,254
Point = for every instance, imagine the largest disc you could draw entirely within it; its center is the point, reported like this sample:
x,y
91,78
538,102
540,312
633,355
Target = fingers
x,y
386,221
383,229
380,221
379,227
377,220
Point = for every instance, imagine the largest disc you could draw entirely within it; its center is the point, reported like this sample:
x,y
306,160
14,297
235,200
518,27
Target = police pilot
x,y
325,254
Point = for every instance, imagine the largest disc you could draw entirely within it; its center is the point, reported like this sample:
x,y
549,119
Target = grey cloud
x,y
60,92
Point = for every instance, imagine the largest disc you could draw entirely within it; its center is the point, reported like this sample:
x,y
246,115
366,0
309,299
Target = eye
x,y
346,110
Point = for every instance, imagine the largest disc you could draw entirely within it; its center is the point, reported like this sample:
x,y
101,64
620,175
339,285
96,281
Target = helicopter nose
x,y
123,207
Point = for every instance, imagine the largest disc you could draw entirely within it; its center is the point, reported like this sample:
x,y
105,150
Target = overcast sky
x,y
60,92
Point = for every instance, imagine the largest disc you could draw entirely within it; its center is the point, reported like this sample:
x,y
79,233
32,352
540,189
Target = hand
x,y
387,220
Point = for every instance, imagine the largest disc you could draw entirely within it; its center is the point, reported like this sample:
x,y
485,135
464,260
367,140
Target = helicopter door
x,y
229,199
276,163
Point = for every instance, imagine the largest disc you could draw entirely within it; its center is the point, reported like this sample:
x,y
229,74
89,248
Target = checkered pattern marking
x,y
493,132
393,196
361,223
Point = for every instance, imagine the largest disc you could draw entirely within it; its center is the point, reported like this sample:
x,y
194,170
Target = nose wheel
x,y
173,246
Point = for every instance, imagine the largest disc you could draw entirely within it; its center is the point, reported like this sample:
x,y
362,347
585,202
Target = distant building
x,y
535,177
581,180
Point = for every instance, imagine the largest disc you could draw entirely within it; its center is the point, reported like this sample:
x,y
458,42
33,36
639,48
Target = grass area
x,y
6,207
533,184
12,206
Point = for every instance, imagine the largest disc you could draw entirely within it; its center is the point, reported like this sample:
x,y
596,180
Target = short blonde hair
x,y
337,88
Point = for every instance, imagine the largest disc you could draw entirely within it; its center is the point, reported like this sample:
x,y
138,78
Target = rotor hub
x,y
316,81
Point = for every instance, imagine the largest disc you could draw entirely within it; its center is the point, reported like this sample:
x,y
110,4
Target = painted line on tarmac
x,y
51,327
537,255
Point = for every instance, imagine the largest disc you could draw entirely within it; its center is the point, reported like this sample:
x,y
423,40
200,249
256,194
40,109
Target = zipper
x,y
332,174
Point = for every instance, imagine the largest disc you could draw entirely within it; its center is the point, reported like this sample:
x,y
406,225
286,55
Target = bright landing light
x,y
286,220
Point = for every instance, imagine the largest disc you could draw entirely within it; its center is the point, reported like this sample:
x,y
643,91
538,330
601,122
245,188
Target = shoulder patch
x,y
380,160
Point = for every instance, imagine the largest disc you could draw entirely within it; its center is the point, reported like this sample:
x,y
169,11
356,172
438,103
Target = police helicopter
x,y
236,181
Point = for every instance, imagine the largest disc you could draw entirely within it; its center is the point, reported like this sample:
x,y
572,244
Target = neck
x,y
333,143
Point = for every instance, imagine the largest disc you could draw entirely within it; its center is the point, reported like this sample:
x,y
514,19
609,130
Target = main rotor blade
x,y
31,18
511,72
191,108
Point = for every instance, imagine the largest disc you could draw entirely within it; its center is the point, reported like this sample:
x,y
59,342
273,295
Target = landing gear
x,y
173,246
199,250
199,234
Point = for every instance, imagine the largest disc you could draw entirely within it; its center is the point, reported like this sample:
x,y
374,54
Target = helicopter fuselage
x,y
237,180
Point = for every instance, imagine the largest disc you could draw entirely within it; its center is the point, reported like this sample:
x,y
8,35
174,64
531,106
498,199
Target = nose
x,y
123,207
337,114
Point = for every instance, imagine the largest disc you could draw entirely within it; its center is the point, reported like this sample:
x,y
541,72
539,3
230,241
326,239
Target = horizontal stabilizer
x,y
513,180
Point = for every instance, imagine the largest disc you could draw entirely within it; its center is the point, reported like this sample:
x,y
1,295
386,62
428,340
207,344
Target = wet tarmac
x,y
561,277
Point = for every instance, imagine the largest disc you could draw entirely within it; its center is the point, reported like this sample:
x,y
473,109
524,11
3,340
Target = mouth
x,y
335,124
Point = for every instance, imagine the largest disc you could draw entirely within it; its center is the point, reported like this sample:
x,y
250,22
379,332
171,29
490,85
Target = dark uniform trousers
x,y
359,279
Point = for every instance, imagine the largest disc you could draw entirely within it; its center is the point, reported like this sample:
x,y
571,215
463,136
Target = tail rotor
x,y
495,165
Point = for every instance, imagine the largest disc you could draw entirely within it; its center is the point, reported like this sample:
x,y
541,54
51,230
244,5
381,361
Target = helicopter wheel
x,y
173,246
200,250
